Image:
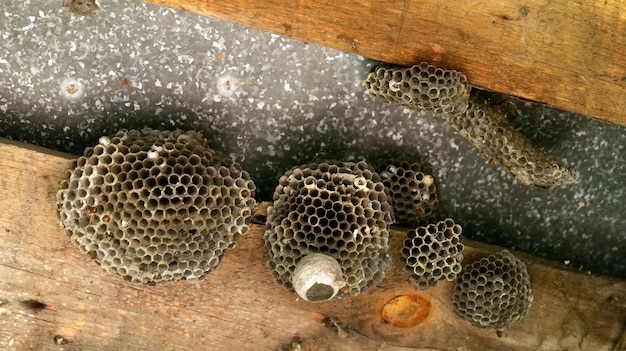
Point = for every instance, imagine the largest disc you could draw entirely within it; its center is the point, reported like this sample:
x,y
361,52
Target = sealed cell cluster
x,y
155,206
446,94
338,209
433,252
424,86
493,292
413,192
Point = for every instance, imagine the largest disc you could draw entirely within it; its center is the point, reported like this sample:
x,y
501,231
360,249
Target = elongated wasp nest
x,y
446,93
328,230
488,129
493,292
433,252
413,192
155,206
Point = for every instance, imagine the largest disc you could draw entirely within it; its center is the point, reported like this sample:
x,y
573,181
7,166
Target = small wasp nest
x,y
423,86
413,193
433,252
328,230
155,206
493,292
446,94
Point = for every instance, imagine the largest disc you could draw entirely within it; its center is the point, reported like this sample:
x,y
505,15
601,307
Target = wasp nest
x,y
489,130
433,252
493,292
413,193
446,93
424,86
338,210
155,206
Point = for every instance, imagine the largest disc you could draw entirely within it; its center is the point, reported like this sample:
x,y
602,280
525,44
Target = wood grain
x,y
567,54
238,306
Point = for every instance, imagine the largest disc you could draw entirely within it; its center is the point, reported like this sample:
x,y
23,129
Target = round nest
x,y
340,209
155,206
493,292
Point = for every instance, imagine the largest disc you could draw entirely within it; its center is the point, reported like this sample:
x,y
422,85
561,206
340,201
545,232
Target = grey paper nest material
x,y
433,252
413,192
339,209
493,292
446,94
155,206
424,87
488,129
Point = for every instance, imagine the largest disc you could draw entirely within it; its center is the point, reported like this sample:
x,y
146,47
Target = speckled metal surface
x,y
272,103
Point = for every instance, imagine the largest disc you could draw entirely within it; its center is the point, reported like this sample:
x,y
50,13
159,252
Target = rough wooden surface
x,y
238,307
568,54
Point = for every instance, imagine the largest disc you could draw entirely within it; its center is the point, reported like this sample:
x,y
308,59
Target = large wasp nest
x,y
155,206
413,192
493,292
433,252
446,93
328,229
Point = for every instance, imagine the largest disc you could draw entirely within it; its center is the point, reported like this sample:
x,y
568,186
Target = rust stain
x,y
406,310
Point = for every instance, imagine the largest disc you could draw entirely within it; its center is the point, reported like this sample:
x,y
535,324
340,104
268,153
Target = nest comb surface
x,y
413,193
155,206
424,86
340,209
433,252
493,292
491,132
446,94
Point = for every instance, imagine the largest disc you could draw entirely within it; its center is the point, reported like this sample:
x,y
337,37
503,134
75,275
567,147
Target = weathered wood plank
x,y
568,54
238,307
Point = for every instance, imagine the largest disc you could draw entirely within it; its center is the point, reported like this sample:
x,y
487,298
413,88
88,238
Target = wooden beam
x,y
238,306
568,54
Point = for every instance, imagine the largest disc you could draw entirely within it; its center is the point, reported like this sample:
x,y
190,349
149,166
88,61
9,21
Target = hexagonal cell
x,y
493,292
413,193
446,94
433,252
423,86
340,210
149,204
490,131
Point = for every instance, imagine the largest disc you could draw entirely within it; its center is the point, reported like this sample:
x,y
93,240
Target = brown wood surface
x,y
238,306
568,54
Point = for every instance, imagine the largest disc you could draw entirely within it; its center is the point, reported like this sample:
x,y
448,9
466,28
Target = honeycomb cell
x,y
413,193
446,94
490,131
433,252
493,292
424,86
138,203
337,209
